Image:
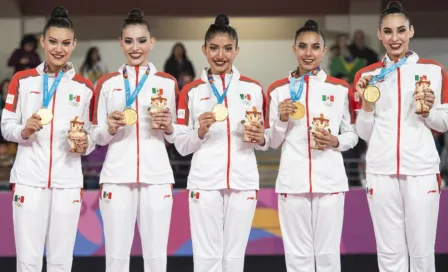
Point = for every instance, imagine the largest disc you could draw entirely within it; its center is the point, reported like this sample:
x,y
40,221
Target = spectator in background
x,y
92,68
179,66
4,87
359,49
26,56
345,63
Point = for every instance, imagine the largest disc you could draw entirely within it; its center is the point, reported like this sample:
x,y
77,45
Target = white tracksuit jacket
x,y
136,153
222,160
44,160
401,141
302,169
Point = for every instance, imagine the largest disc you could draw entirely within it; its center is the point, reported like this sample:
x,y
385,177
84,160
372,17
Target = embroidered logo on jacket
x,y
74,99
369,192
328,100
246,99
19,200
107,196
156,91
194,196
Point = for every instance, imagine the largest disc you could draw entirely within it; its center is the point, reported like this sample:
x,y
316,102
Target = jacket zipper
x,y
223,79
310,168
137,68
399,120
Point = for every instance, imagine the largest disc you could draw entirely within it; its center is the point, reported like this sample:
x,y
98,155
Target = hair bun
x,y
59,12
311,24
135,14
394,5
222,20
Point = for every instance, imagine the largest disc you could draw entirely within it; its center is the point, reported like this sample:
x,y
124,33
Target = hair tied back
x,y
59,12
395,5
222,20
135,14
311,24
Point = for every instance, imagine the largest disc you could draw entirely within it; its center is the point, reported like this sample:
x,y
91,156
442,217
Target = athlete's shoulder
x,y
106,78
337,82
83,81
192,86
24,74
370,68
250,81
431,62
165,76
277,84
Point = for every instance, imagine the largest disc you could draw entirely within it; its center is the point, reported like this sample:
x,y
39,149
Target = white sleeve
x,y
12,123
173,108
86,115
438,115
187,140
277,128
99,130
364,124
266,135
347,137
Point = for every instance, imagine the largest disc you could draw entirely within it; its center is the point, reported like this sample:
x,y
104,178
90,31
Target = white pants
x,y
311,225
45,217
220,222
404,212
121,205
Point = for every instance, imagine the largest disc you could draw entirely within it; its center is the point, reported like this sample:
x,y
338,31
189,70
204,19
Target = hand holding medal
x,y
205,121
367,92
285,109
131,115
115,120
33,124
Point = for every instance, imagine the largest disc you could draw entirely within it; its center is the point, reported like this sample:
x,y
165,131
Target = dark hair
x,y
309,26
394,7
88,62
59,18
221,26
135,17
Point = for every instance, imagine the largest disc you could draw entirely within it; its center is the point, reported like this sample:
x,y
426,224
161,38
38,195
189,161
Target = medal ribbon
x,y
219,97
295,96
130,97
48,94
385,71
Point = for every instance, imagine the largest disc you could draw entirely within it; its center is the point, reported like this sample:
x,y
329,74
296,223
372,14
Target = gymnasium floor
x,y
350,263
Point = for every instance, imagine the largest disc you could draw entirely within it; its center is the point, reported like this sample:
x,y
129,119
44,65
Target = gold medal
x,y
45,115
300,111
372,94
130,116
220,112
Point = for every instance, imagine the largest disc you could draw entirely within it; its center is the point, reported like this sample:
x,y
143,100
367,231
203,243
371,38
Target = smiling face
x,y
136,43
58,44
309,50
220,52
395,32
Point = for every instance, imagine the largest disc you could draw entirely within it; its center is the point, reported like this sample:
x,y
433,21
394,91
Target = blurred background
x,y
266,32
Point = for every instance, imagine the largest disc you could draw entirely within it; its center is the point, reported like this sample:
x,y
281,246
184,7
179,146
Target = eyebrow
x,y
138,38
57,39
306,43
224,45
388,28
